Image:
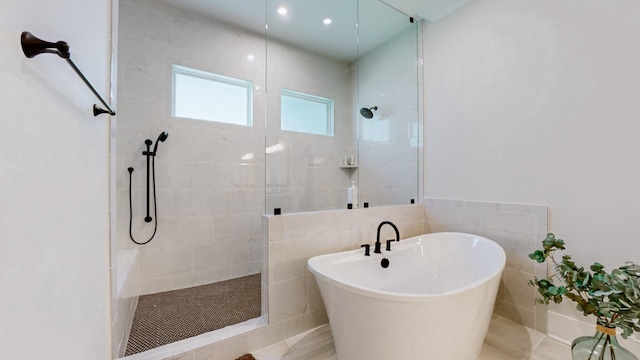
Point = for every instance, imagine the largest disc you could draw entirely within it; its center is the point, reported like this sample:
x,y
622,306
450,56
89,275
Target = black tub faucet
x,y
377,248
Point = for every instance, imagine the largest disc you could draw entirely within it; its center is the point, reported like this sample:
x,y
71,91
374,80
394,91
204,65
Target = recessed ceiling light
x,y
327,21
250,57
282,10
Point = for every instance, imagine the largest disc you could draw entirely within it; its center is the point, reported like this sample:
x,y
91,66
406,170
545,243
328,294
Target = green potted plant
x,y
613,298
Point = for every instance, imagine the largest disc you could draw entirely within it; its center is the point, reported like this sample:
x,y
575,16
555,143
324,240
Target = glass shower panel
x,y
310,57
387,81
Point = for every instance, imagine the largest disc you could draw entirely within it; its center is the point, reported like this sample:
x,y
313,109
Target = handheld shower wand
x,y
161,138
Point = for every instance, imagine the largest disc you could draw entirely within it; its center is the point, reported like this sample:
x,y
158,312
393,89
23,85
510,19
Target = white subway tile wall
x,y
210,195
303,171
519,229
211,177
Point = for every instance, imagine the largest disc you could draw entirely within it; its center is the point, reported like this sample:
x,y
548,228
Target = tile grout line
x,y
501,352
290,351
534,347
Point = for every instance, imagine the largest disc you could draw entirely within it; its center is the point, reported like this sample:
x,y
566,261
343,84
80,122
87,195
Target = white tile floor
x,y
506,340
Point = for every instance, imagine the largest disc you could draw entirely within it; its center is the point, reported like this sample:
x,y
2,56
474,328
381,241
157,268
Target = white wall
x,y
537,102
54,172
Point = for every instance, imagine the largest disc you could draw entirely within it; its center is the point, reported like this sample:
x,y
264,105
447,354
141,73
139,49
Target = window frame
x,y
330,122
218,78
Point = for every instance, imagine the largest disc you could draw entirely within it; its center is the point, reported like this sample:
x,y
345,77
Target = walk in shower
x,y
262,101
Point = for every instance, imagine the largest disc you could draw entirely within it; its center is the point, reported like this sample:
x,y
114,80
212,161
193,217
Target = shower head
x,y
161,138
367,113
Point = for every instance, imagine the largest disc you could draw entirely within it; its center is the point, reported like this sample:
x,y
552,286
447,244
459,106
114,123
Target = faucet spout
x,y
395,228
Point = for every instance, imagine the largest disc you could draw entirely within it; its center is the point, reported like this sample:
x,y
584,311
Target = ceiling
x,y
345,39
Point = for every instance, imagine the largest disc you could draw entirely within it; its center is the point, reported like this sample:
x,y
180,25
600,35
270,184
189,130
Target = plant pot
x,y
603,345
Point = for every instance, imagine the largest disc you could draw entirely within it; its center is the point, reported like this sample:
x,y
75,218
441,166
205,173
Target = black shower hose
x,y
155,208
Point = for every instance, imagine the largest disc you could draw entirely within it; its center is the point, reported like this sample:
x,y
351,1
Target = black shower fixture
x,y
367,113
151,155
161,138
151,163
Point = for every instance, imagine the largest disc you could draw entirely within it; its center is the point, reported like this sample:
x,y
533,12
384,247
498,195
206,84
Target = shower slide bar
x,y
32,46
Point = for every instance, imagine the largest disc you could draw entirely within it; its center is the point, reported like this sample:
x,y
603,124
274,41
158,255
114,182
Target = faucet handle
x,y
389,244
366,247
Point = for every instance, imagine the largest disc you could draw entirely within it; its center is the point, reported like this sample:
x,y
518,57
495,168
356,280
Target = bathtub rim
x,y
408,297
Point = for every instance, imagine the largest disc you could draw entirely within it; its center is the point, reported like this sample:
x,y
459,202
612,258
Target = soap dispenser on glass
x,y
352,195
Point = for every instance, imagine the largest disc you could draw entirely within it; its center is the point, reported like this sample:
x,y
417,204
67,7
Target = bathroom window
x,y
306,113
207,96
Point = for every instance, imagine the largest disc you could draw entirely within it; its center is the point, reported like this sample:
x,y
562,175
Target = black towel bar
x,y
32,46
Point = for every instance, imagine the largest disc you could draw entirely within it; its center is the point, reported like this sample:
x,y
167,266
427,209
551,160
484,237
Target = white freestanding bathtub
x,y
433,301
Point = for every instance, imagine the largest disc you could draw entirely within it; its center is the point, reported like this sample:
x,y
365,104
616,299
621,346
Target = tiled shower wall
x,y
305,175
211,195
519,229
210,199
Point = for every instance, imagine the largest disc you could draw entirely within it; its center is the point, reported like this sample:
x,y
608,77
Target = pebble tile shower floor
x,y
171,316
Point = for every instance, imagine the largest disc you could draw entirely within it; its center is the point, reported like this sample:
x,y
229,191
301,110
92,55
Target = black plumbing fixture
x,y
366,247
377,247
161,138
389,244
367,113
32,46
151,163
384,263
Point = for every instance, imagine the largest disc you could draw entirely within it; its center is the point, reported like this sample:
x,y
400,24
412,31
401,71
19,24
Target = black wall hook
x,y
32,47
